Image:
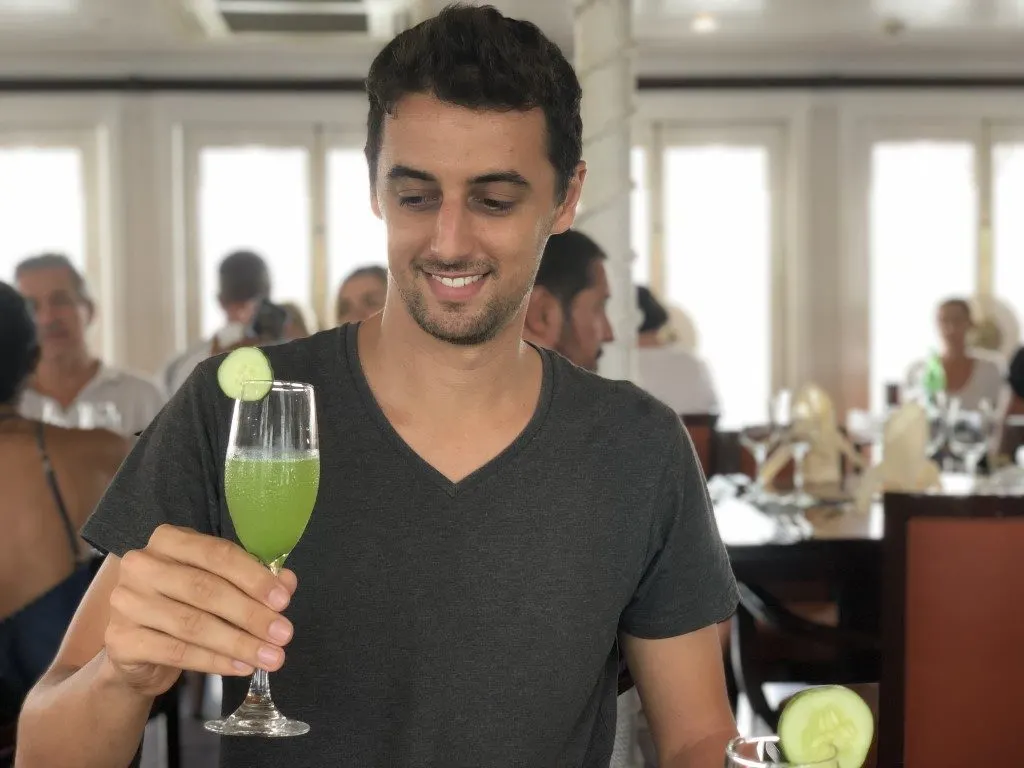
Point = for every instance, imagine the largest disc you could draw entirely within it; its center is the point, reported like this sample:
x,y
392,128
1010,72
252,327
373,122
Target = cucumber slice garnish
x,y
241,367
820,719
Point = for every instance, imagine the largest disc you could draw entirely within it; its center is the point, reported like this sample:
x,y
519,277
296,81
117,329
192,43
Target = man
x,y
461,598
69,380
243,280
567,308
361,295
674,375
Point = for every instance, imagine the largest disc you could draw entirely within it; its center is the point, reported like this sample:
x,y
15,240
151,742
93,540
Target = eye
x,y
491,205
416,202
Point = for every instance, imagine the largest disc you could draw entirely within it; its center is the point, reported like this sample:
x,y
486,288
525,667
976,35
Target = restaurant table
x,y
828,544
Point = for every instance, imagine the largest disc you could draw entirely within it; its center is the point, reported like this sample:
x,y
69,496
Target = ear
x,y
544,318
90,311
374,203
565,214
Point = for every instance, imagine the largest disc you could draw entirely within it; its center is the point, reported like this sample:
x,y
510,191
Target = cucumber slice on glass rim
x,y
240,369
819,720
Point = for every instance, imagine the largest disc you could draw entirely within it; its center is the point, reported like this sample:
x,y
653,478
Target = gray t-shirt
x,y
464,624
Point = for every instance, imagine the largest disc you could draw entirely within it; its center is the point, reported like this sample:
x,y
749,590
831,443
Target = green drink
x,y
271,499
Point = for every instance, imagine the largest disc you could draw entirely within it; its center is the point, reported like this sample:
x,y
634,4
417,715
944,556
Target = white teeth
x,y
457,282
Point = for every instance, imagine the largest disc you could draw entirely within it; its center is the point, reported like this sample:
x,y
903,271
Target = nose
x,y
452,232
607,333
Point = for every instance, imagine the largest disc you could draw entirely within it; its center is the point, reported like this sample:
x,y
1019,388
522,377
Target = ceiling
x,y
748,36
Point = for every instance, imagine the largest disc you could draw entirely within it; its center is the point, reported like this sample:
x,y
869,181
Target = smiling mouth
x,y
457,282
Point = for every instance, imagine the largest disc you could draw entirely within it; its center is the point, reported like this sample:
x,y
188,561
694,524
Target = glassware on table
x,y
936,411
758,440
764,752
970,432
271,479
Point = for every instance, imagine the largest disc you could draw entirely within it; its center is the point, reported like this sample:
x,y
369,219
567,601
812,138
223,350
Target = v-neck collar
x,y
350,338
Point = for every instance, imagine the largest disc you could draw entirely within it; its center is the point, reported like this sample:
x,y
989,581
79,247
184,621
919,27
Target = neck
x,y
412,366
955,354
63,377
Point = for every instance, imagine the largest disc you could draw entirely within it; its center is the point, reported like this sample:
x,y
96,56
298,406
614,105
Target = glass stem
x,y
798,473
259,683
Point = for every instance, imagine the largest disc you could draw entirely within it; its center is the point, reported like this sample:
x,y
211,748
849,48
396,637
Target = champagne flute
x,y
764,752
271,479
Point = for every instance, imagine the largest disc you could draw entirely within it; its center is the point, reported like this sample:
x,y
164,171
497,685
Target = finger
x,y
141,645
289,579
208,593
195,627
223,558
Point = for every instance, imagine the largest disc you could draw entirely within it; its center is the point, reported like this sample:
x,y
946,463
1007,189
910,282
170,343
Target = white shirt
x,y
180,368
987,381
134,399
678,378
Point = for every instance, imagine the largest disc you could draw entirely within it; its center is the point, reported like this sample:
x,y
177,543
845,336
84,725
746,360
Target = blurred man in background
x,y
361,295
71,387
569,299
243,281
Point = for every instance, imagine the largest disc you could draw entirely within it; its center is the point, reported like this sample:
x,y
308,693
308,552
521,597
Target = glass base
x,y
257,720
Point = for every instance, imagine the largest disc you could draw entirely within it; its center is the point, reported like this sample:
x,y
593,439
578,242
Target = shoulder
x,y
134,382
621,409
988,359
101,446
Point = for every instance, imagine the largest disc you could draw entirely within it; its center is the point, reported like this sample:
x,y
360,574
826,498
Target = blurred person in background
x,y
567,310
51,480
672,374
70,382
971,375
243,280
295,325
361,295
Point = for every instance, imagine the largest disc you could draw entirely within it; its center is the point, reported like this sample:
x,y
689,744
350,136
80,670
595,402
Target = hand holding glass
x,y
271,478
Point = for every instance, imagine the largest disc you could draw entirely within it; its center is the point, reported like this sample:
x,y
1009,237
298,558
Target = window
x,y
356,237
42,204
640,221
1008,225
254,198
718,258
923,223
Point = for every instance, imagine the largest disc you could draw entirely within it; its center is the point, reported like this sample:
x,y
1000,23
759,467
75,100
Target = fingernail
x,y
242,667
279,598
280,631
269,655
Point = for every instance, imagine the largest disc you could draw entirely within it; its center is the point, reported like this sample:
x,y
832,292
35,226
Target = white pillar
x,y
603,32
604,50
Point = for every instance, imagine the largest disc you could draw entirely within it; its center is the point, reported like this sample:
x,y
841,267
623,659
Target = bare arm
x,y
186,601
681,684
68,694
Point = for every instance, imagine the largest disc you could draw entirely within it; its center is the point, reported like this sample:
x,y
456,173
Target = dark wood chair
x,y
774,648
953,631
702,428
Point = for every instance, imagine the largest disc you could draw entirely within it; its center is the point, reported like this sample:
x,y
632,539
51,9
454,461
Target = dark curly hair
x,y
19,345
474,57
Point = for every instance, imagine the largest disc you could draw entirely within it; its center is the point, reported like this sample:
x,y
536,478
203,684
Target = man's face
x,y
360,297
468,197
60,312
587,328
954,324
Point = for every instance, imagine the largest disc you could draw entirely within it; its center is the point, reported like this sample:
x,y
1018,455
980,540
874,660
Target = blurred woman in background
x,y
971,375
51,480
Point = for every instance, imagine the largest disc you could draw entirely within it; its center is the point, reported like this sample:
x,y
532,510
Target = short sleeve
x,y
688,583
171,475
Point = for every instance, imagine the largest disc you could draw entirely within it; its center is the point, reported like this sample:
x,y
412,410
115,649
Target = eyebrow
x,y
497,177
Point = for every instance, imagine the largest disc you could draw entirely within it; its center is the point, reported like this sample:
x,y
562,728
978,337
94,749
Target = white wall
x,y
138,246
